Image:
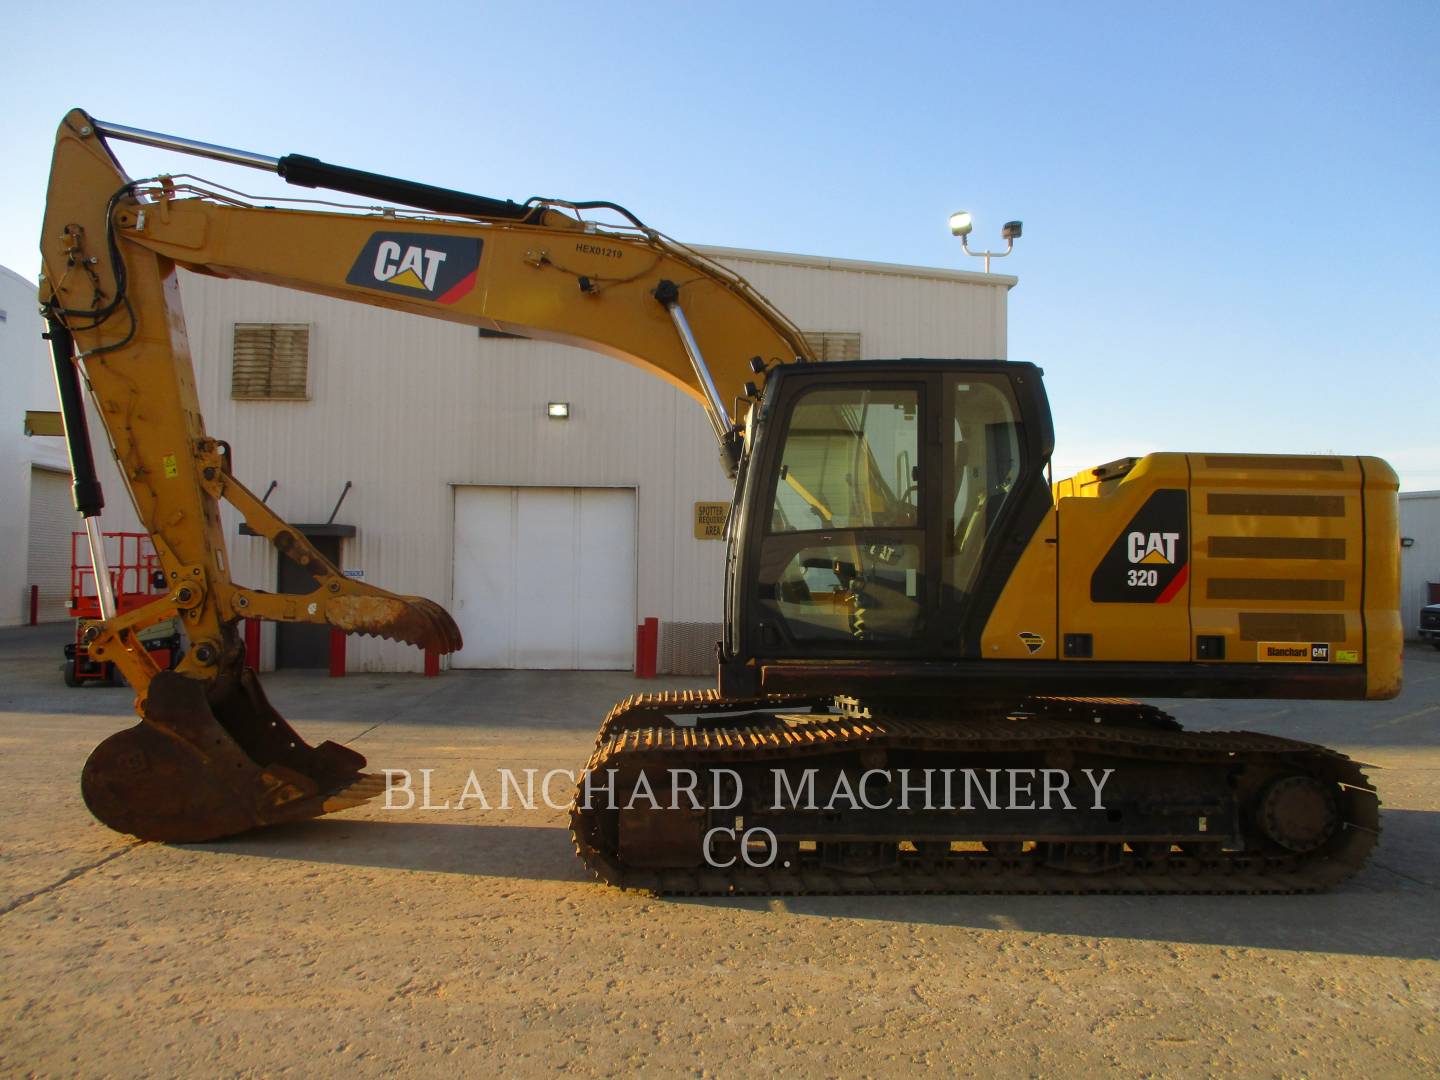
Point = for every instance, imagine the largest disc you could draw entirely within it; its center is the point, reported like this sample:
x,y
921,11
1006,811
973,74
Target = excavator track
x,y
640,711
1196,812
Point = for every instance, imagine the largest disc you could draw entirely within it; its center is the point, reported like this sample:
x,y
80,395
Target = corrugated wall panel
x,y
407,408
29,383
899,314
52,522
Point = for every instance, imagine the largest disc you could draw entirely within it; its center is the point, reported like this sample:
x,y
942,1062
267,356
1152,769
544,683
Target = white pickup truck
x,y
1430,624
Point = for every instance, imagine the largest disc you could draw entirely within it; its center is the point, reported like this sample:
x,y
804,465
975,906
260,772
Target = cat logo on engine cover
x,y
1033,642
1149,562
422,266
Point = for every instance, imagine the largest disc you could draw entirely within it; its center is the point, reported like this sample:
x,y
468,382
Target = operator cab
x,y
883,506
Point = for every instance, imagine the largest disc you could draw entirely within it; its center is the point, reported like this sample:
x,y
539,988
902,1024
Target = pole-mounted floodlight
x,y
961,224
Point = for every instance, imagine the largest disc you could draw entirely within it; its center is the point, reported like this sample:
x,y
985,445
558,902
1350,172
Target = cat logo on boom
x,y
422,266
398,269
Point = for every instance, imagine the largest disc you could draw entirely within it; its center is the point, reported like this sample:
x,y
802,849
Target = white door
x,y
545,577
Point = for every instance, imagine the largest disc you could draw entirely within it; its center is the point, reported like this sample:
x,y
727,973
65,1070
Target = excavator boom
x,y
210,756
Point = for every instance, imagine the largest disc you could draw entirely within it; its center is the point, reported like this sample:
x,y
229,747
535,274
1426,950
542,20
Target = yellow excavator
x,y
924,637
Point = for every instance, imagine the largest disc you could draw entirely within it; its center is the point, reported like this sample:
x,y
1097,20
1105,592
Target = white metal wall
x,y
899,310
408,408
1419,520
52,522
27,381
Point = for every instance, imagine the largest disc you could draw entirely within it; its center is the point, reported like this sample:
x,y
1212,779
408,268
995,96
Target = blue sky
x,y
1231,230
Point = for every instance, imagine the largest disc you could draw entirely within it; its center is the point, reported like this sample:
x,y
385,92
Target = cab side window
x,y
986,460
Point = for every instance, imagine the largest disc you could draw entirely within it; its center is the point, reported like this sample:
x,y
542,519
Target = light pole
x,y
961,224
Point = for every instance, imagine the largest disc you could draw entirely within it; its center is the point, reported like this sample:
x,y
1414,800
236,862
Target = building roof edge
x,y
859,266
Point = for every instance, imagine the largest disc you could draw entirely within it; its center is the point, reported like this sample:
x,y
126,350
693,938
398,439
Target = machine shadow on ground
x,y
1376,922
1380,914
1385,911
1389,909
531,853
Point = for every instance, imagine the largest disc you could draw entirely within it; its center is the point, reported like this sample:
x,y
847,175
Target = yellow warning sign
x,y
43,423
172,467
710,520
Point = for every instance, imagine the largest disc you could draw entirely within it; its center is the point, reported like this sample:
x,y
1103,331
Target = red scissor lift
x,y
136,579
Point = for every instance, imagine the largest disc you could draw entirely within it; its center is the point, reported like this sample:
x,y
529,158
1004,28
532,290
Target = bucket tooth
x,y
413,620
367,787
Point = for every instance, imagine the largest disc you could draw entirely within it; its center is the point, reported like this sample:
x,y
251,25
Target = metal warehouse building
x,y
36,514
422,456
1419,555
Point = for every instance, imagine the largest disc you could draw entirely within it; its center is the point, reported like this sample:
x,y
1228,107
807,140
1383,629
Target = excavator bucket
x,y
201,766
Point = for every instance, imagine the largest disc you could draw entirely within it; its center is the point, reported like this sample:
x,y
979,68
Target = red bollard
x,y
252,644
337,653
647,648
34,605
432,663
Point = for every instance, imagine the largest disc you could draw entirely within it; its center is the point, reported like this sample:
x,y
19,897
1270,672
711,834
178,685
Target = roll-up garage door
x,y
545,577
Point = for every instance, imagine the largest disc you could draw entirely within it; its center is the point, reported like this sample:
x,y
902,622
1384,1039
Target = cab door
x,y
844,564
890,505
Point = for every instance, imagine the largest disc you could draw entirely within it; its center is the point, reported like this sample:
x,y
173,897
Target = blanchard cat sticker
x,y
1293,652
1149,562
422,266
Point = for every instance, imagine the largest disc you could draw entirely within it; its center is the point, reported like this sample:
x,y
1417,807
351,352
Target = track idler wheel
x,y
195,770
1300,813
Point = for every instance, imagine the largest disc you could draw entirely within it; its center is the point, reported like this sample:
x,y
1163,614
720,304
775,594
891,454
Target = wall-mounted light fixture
x,y
558,410
1407,541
